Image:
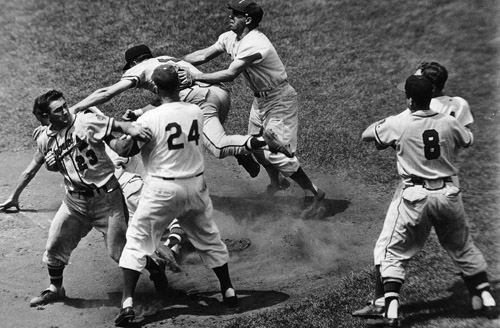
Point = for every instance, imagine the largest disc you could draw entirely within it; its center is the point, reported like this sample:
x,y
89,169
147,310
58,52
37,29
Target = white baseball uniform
x,y
275,103
427,144
212,98
93,197
174,188
454,106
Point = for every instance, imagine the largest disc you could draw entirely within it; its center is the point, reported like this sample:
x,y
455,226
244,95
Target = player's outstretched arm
x,y
101,96
24,179
201,56
226,75
133,115
369,135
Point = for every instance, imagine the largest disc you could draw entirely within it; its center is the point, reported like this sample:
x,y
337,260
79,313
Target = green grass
x,y
343,57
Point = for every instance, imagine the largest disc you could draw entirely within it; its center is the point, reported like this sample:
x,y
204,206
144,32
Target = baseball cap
x,y
165,77
248,7
418,88
136,51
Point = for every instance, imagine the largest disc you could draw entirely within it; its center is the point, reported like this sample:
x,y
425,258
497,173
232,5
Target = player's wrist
x,y
138,112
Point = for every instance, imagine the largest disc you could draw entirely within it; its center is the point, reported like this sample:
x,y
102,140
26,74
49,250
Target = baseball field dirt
x,y
289,258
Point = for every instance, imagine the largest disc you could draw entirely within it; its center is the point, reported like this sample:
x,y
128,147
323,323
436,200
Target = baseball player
x,y
212,98
174,188
441,103
427,144
274,107
74,146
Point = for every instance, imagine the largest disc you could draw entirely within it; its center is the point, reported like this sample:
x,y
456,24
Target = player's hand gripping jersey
x,y
79,151
141,74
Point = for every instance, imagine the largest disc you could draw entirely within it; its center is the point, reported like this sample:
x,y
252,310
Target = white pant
x,y
162,201
277,111
215,103
413,216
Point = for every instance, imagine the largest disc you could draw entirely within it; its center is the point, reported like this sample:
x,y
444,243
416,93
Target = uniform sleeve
x,y
222,42
251,46
463,135
464,116
386,133
135,74
93,126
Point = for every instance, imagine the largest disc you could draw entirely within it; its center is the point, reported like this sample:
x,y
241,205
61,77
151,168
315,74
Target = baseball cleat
x,y
165,253
231,301
370,311
159,278
312,209
249,164
275,145
383,322
237,245
271,189
48,296
125,317
485,305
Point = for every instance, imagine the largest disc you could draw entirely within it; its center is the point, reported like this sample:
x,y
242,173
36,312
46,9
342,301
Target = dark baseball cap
x,y
248,7
418,88
165,77
135,52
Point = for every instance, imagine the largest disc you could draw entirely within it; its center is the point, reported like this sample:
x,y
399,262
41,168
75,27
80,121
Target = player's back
x,y
428,145
175,150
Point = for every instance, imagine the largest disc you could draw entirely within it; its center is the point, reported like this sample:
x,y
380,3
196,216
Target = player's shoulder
x,y
38,131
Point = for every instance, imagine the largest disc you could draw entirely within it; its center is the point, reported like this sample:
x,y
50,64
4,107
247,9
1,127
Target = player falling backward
x,y
74,145
213,99
441,103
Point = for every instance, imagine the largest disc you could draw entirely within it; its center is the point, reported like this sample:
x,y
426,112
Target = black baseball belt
x,y
110,186
430,184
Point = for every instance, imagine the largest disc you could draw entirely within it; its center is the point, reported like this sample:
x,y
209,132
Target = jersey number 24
x,y
176,131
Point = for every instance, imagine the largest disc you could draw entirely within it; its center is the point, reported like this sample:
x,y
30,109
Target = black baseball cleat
x,y
48,296
249,164
485,304
271,189
231,302
371,310
125,317
275,145
383,322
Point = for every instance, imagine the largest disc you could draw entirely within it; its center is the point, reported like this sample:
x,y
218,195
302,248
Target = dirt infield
x,y
288,259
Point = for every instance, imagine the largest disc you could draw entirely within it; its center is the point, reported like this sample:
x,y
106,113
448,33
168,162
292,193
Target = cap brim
x,y
126,67
401,86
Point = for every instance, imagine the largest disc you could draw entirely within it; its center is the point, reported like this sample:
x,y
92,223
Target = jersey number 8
x,y
432,149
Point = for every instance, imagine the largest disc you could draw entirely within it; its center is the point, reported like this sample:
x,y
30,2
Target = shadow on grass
x,y
273,208
456,306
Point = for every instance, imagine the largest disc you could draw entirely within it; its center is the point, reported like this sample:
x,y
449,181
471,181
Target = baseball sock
x,y
222,273
255,143
391,294
303,181
378,297
151,265
56,275
480,290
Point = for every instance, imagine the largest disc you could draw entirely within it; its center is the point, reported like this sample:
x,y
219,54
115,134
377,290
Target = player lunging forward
x,y
212,98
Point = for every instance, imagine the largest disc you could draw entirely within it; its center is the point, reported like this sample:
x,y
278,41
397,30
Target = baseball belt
x,y
110,186
431,184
